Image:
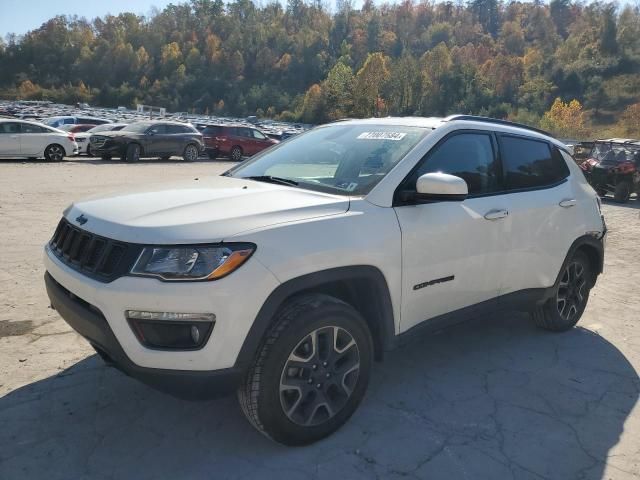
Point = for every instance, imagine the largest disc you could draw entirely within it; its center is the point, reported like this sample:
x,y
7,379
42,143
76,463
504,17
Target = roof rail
x,y
477,118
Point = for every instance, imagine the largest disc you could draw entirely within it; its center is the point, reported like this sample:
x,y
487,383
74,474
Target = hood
x,y
115,133
199,211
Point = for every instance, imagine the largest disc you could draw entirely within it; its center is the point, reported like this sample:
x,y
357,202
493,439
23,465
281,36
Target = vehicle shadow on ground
x,y
491,399
634,202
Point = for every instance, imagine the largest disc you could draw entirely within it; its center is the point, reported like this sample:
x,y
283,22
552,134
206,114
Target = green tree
x,y
369,82
338,88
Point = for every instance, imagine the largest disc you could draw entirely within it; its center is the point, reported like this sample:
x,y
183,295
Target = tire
x,y
133,153
54,153
296,399
622,192
236,154
191,153
563,310
106,157
89,151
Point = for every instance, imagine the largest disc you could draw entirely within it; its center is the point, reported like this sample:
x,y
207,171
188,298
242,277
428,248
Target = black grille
x,y
97,257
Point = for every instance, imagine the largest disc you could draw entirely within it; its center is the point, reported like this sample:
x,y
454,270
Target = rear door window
x,y
27,128
529,163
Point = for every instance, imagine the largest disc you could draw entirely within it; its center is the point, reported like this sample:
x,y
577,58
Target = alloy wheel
x,y
191,153
236,154
571,291
56,153
319,376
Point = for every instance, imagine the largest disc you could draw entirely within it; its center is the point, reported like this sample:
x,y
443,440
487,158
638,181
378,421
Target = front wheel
x,y
311,371
622,192
54,153
562,311
133,153
236,154
191,153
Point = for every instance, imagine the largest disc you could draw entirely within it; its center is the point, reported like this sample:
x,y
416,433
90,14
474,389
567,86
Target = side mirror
x,y
441,187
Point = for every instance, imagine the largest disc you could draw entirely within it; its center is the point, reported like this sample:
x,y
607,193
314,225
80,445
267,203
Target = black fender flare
x,y
596,255
380,317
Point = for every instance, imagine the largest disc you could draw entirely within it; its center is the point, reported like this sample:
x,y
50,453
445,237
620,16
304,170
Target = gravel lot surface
x,y
494,398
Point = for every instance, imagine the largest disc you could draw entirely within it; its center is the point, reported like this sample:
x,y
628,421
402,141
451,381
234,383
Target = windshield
x,y
137,127
612,153
339,158
104,128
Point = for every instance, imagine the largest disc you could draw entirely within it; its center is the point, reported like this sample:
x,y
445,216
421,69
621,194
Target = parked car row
x,y
143,139
219,136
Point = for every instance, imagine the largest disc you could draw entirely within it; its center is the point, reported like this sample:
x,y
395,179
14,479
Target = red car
x,y
234,141
76,128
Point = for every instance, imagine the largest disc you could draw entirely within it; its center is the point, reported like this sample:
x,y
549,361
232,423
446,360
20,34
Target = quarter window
x,y
469,156
258,135
212,130
28,128
175,129
158,129
530,163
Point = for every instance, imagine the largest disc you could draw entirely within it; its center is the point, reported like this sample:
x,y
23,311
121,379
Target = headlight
x,y
197,262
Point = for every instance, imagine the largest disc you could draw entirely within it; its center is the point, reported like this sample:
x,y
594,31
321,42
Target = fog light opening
x,y
171,330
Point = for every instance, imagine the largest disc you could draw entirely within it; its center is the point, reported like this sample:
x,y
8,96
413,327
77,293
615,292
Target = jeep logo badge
x,y
82,219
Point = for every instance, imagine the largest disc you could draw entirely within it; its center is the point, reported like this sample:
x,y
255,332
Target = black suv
x,y
149,139
613,166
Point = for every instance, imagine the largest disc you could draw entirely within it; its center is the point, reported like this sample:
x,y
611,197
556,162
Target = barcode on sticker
x,y
381,136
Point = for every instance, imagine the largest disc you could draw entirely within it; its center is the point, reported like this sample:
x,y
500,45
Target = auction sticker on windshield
x,y
381,136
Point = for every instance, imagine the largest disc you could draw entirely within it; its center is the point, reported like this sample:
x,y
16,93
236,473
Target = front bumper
x,y
89,322
104,304
111,149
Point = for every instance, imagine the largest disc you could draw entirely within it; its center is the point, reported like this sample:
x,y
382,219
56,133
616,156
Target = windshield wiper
x,y
272,179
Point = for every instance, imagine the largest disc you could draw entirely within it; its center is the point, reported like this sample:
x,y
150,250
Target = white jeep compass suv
x,y
286,277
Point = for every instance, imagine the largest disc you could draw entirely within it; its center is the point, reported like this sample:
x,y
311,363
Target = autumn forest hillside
x,y
573,68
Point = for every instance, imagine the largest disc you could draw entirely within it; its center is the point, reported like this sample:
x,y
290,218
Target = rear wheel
x,y
564,309
236,154
622,192
133,153
311,372
54,153
191,153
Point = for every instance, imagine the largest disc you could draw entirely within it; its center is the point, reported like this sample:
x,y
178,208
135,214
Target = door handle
x,y
570,202
496,214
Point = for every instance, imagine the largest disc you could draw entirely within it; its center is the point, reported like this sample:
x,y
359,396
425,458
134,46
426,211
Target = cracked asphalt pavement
x,y
494,398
